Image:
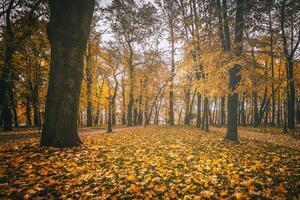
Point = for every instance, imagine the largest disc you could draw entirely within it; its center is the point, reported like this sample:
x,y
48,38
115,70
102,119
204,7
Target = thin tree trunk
x,y
198,116
131,86
171,93
123,102
272,66
28,112
88,74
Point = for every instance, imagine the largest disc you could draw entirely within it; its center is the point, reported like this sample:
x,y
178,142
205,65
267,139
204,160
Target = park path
x,y
23,135
265,137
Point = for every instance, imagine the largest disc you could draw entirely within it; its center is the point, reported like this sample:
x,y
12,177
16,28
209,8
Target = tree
x,y
170,13
225,41
289,48
28,14
234,76
68,32
132,23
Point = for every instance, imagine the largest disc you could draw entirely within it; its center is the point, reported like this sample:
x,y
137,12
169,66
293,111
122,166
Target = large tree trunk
x,y
1,117
234,76
291,95
289,51
68,32
6,77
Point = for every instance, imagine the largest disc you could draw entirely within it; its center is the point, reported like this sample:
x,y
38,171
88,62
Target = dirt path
x,y
279,139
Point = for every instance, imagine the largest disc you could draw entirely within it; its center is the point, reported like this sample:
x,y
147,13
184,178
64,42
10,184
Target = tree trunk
x,y
291,95
1,116
243,115
88,74
6,77
68,32
223,110
272,67
298,111
28,112
14,104
206,113
187,107
123,102
135,116
171,93
225,42
255,110
289,51
36,114
140,112
234,77
279,100
131,97
198,116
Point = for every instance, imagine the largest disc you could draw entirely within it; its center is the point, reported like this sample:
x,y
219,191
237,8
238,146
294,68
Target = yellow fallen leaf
x,y
173,146
267,172
223,193
133,188
207,193
43,172
130,178
239,195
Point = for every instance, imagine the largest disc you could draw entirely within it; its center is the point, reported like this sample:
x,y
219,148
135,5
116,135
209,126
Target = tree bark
x,y
123,102
28,112
272,66
198,116
298,111
88,74
171,92
6,77
68,32
131,97
289,51
291,95
225,42
234,77
205,119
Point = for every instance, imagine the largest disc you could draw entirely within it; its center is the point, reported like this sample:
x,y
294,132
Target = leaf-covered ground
x,y
158,162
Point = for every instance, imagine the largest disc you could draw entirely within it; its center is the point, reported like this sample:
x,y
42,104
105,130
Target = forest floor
x,y
157,161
